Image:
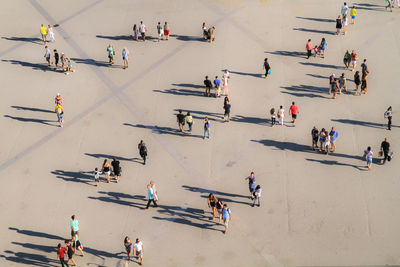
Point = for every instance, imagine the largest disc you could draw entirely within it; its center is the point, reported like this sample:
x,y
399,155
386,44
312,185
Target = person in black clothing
x,y
56,57
227,108
70,252
208,85
338,25
267,67
116,169
315,137
180,118
357,81
385,148
388,115
142,151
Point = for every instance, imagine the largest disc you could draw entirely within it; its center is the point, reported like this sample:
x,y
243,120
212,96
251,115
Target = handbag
x,y
269,71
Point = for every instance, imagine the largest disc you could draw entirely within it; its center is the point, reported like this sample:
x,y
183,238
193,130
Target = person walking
x,y
281,115
61,254
138,250
342,84
385,150
309,47
322,137
338,25
388,115
219,207
327,142
345,23
252,180
211,202
226,217
47,55
142,30
208,85
347,59
364,84
153,186
69,66
180,118
110,52
189,120
56,57
135,32
323,46
143,151
314,138
125,57
106,169
333,137
128,246
257,196
211,32
51,33
345,9
335,87
267,67
160,31
116,169
389,5
227,109
167,31
206,128
70,252
74,224
96,175
63,61
58,99
273,116
76,244
60,114
354,58
226,77
357,81
217,86
294,110
43,33
368,155
353,13
365,72
151,195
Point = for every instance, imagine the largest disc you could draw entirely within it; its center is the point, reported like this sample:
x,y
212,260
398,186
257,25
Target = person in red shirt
x,y
61,254
294,110
309,47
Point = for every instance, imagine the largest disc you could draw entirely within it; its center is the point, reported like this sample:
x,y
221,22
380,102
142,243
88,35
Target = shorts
x,y
117,173
333,142
354,62
353,17
125,59
60,116
294,116
166,32
143,34
97,179
219,210
226,222
160,34
44,36
369,161
108,173
139,253
227,113
182,123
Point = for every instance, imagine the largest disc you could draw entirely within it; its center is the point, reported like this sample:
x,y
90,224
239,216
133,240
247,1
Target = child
x,y
316,51
69,66
96,176
273,117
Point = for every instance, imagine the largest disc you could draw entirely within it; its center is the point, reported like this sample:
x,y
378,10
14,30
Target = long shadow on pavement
x,y
107,156
35,66
187,38
288,53
30,259
164,130
364,123
256,75
314,31
25,39
45,122
97,63
317,19
306,91
121,199
85,177
33,109
225,197
327,66
335,162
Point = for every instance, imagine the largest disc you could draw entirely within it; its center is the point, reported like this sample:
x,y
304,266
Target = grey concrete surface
x,y
317,210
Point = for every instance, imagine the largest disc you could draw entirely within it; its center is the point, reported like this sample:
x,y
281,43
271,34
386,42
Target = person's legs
x,y
148,203
258,202
385,156
389,123
254,202
155,203
208,133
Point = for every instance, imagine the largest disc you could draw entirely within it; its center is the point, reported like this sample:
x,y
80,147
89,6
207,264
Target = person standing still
x,y
51,33
385,150
208,85
135,32
309,48
354,58
353,13
60,114
43,33
357,81
217,86
106,170
333,136
314,138
226,77
56,57
273,117
226,217
110,52
345,9
125,57
143,151
281,115
160,31
252,179
294,110
206,128
189,120
151,195
388,115
323,46
347,59
227,110
267,67
180,118
142,30
365,72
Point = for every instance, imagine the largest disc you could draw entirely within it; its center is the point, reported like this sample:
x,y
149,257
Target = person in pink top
x,y
294,110
309,47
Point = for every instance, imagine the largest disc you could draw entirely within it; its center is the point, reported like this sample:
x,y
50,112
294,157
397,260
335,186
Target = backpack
x,y
59,109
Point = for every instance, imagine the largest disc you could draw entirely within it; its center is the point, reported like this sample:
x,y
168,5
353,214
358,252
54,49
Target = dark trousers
x,y
143,155
273,121
63,262
266,72
385,156
148,203
308,53
389,123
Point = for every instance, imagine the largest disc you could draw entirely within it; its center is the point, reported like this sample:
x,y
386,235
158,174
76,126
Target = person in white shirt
x,y
281,115
226,77
138,250
345,9
257,195
142,30
388,115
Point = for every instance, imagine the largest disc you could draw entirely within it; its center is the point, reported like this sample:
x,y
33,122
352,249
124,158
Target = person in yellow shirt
x,y
43,32
353,13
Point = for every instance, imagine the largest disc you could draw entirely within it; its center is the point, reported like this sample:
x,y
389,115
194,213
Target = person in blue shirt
x,y
151,196
226,217
334,135
252,185
217,85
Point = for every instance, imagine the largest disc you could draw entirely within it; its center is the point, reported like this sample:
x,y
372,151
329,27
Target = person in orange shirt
x,y
309,47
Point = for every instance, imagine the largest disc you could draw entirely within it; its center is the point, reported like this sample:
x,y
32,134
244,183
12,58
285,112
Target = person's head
x,y
353,51
66,242
293,103
386,139
188,114
369,148
73,217
280,106
226,70
390,108
258,187
141,141
342,74
206,77
48,26
211,196
315,128
323,130
365,60
225,206
152,183
141,22
114,159
333,74
42,25
126,239
204,24
309,40
252,174
148,186
323,39
137,240
59,245
45,47
55,50
180,111
272,111
166,22
206,118
345,4
333,128
316,46
216,77
338,17
159,23
345,17
265,59
96,169
357,72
